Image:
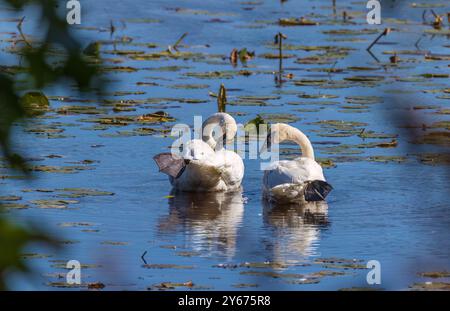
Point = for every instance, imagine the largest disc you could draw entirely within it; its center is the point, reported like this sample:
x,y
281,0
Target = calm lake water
x,y
387,204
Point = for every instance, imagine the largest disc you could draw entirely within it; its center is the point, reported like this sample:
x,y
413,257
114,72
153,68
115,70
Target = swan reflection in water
x,y
209,221
295,229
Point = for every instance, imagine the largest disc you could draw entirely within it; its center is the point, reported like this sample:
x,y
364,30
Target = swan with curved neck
x,y
297,180
201,168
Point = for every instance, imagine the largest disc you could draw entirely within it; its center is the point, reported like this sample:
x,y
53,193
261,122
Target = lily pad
x,y
350,32
386,159
57,204
279,117
93,49
115,243
365,78
363,100
59,169
431,286
189,86
434,158
435,138
172,285
14,206
10,198
316,96
296,22
35,103
435,274
82,192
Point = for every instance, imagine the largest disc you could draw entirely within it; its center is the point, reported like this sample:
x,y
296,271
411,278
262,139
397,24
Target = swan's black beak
x,y
224,139
317,190
170,165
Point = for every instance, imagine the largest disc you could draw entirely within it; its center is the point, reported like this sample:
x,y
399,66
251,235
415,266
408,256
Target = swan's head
x,y
197,149
277,133
219,128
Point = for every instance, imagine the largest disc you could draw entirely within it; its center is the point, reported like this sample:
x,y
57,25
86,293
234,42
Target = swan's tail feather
x,y
170,165
317,190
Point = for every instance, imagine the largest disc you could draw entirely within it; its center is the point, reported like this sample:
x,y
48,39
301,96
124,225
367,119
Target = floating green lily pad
x,y
189,86
115,243
59,169
35,256
173,285
435,274
433,286
57,204
386,159
279,117
14,206
10,198
296,22
82,192
435,138
35,103
351,32
93,49
434,158
372,134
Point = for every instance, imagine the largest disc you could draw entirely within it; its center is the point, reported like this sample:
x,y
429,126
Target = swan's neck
x,y
218,121
290,133
208,136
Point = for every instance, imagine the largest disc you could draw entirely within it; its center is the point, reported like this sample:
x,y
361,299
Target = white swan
x,y
200,168
298,180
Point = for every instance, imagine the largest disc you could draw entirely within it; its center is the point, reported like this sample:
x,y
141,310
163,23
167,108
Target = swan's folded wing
x,y
169,164
299,171
231,166
200,175
284,172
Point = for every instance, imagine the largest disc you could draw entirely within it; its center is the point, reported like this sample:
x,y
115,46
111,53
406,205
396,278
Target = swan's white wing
x,y
232,167
197,149
199,175
297,171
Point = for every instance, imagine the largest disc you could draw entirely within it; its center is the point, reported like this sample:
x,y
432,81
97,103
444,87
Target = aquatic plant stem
x,y
19,27
279,39
384,33
179,41
334,9
222,99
